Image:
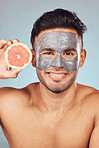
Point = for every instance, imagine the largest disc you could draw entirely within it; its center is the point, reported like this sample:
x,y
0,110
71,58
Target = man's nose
x,y
57,61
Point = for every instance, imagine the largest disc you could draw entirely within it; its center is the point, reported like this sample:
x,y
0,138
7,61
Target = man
x,y
57,112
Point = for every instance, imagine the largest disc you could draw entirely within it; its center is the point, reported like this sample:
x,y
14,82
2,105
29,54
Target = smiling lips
x,y
56,76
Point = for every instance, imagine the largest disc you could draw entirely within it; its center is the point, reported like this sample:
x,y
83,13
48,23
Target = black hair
x,y
59,18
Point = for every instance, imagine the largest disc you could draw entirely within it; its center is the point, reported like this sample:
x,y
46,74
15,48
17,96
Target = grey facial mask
x,y
58,40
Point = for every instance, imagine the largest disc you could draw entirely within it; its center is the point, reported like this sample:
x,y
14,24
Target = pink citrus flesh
x,y
18,55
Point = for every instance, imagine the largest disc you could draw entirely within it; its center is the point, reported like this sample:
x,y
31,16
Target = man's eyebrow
x,y
69,49
47,49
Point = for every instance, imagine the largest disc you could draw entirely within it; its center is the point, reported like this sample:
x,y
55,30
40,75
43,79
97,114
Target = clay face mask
x,y
58,42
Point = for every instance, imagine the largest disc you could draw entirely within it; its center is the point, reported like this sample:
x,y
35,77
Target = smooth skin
x,y
35,117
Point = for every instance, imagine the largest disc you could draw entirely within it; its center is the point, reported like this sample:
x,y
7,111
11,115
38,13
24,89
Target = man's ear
x,y
33,58
82,57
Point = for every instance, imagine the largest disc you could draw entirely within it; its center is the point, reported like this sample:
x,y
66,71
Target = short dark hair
x,y
59,18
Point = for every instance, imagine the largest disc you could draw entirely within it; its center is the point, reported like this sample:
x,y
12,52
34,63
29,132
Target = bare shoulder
x,y
89,95
87,91
15,97
10,93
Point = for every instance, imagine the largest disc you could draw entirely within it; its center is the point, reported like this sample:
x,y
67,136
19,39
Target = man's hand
x,y
5,71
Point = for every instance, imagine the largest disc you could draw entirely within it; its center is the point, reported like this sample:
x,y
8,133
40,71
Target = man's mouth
x,y
56,76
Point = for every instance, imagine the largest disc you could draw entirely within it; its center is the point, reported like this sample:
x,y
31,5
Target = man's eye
x,y
69,54
48,53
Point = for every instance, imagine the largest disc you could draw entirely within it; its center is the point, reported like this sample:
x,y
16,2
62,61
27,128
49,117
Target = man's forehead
x,y
50,31
57,37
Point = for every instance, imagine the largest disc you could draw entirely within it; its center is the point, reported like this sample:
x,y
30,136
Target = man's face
x,y
57,58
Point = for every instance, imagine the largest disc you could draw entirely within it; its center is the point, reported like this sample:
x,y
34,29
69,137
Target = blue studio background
x,y
16,21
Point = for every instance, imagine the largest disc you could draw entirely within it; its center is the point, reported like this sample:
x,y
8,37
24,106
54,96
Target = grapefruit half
x,y
18,56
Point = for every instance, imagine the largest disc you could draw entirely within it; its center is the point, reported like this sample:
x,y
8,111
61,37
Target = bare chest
x,y
28,130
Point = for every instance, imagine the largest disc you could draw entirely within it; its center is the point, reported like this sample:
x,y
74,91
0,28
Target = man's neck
x,y
51,102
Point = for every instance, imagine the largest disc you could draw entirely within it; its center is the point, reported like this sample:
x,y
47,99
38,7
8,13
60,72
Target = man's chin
x,y
57,92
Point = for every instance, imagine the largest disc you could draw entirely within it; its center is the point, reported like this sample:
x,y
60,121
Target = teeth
x,y
56,74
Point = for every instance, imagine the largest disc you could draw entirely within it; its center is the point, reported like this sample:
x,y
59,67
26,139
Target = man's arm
x,y
5,71
94,139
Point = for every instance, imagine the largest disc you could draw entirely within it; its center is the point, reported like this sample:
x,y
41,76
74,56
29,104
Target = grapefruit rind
x,y
18,67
